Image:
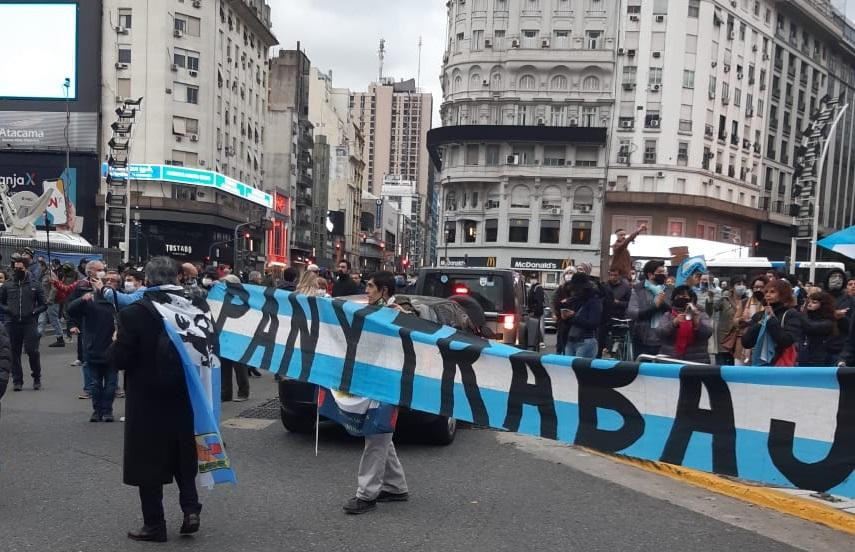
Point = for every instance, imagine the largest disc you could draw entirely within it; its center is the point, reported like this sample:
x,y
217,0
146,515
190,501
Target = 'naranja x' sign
x,y
782,426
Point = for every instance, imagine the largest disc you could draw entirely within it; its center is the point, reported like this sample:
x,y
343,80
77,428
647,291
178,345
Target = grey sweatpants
x,y
379,469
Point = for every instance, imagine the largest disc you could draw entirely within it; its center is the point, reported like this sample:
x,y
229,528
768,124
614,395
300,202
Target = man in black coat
x,y
22,300
97,315
159,438
344,285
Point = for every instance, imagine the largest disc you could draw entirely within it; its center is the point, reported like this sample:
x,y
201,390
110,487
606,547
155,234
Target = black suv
x,y
499,291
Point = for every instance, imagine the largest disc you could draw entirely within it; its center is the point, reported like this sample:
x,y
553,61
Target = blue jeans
x,y
51,315
104,380
585,348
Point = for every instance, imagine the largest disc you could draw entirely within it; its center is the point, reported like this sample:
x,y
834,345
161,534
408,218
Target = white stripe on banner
x,y
782,426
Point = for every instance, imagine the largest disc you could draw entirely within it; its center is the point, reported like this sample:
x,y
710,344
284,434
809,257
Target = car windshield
x,y
484,288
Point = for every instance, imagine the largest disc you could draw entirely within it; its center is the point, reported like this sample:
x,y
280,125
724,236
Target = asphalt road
x,y
61,490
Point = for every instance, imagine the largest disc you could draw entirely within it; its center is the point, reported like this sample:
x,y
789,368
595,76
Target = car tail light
x,y
509,322
461,290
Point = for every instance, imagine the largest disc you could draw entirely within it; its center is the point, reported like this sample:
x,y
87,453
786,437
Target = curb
x,y
761,496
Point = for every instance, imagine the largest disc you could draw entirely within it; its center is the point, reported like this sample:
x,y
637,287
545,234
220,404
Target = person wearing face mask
x,y
559,301
776,331
684,331
753,301
647,304
723,340
844,310
131,292
22,300
535,305
819,327
583,312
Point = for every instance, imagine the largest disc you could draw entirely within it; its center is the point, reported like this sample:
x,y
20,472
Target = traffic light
x,y
247,235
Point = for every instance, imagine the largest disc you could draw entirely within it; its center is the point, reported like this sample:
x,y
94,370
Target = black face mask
x,y
680,303
659,279
759,296
20,273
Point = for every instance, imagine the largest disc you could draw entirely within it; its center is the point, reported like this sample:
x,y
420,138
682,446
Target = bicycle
x,y
620,340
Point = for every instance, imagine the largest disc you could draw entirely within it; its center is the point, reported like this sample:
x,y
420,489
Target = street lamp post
x,y
815,231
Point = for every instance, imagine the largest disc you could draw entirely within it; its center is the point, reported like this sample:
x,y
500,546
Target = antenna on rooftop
x,y
381,54
419,72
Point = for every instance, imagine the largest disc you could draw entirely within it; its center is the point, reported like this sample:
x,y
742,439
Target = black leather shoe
x,y
37,385
356,506
190,525
386,496
149,533
95,417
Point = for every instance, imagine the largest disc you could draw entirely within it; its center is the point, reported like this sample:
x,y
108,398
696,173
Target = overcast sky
x,y
344,36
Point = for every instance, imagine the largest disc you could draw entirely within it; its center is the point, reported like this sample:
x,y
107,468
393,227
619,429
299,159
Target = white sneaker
x,y
76,363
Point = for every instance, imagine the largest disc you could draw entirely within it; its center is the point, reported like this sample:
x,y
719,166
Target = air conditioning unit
x,y
584,208
630,53
197,3
121,30
634,18
194,137
544,43
515,43
731,35
708,131
488,43
121,66
754,48
654,123
727,68
655,87
629,86
660,174
193,73
626,124
623,159
749,112
660,18
173,67
177,33
178,138
765,57
725,100
485,83
657,54
739,76
714,64
513,160
620,51
555,211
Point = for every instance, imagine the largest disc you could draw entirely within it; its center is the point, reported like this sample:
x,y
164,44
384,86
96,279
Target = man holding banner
x,y
381,476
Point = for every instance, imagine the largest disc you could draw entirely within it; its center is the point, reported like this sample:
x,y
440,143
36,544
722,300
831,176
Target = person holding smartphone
x,y
685,330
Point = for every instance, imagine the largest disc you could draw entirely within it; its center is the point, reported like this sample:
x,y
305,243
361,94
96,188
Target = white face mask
x,y
130,287
206,282
568,277
101,275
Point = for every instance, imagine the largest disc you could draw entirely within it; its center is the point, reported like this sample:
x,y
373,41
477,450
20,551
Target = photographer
x,y
685,330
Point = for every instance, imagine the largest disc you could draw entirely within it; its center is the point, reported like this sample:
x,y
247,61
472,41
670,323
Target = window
x,y
694,8
450,232
451,201
527,82
124,54
682,154
125,18
492,154
591,83
124,88
629,73
688,79
583,199
518,230
655,76
550,230
520,197
551,198
686,118
676,227
472,154
554,156
592,39
580,233
477,40
559,82
737,97
491,230
185,158
470,231
650,152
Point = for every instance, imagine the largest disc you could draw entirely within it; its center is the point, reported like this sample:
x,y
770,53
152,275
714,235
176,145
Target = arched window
x,y
475,81
591,83
520,197
458,84
559,82
583,199
551,198
527,82
496,81
451,200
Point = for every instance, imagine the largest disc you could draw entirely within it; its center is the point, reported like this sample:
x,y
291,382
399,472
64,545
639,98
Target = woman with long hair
x,y
776,331
819,326
751,303
685,330
308,284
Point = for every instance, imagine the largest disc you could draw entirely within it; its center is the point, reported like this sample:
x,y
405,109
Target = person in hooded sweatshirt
x,y
776,329
583,311
844,311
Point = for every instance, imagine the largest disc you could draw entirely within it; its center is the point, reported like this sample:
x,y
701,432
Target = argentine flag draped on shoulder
x,y
190,327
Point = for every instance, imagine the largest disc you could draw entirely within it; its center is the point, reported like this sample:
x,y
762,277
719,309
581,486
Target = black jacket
x,y
620,298
22,301
344,286
159,440
5,359
536,300
818,332
791,332
98,317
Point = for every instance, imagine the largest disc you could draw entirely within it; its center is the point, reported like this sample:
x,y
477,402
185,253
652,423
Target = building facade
x,y
528,96
712,98
197,144
290,151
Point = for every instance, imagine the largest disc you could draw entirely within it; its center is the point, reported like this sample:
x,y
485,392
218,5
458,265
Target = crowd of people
x,y
767,319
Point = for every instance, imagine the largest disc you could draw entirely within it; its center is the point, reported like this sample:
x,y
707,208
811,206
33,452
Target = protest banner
x,y
781,426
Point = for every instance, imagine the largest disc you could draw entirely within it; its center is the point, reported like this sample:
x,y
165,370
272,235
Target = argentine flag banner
x,y
790,427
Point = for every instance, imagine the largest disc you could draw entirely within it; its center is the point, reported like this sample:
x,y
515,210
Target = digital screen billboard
x,y
38,51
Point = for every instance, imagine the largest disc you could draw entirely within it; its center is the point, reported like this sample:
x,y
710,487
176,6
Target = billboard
x,y
25,184
38,51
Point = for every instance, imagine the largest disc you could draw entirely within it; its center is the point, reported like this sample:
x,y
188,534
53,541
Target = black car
x,y
297,399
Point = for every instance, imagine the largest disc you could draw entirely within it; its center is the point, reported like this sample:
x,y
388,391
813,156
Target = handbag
x,y
790,355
